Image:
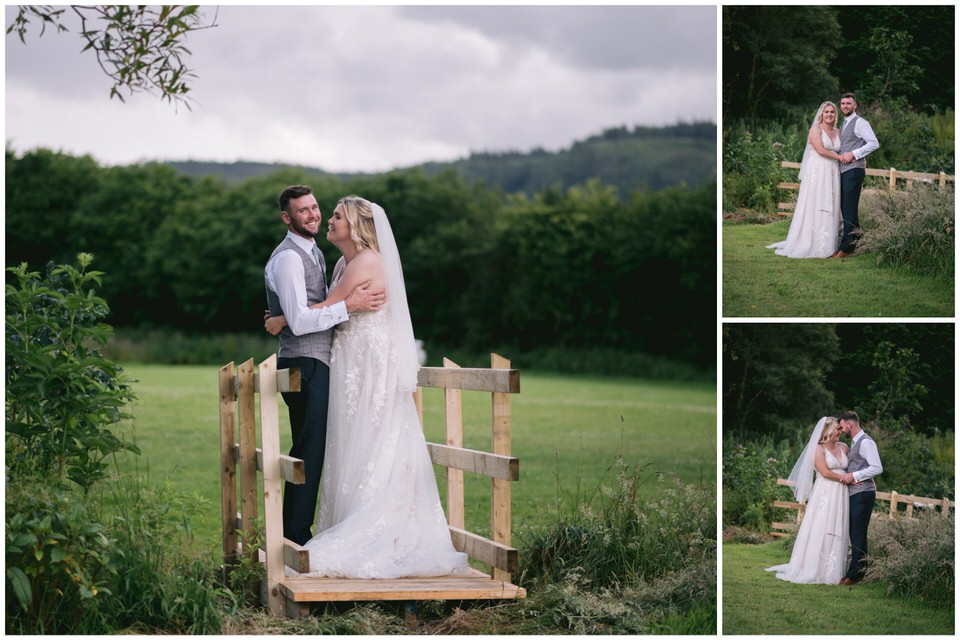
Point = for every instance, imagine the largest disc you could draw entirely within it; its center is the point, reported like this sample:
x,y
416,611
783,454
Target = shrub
x,y
750,484
913,229
915,556
751,169
57,561
61,394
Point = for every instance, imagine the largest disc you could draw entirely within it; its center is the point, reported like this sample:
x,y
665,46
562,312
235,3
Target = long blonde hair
x,y
828,428
359,215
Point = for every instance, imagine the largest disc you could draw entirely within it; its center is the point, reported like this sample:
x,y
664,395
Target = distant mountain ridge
x,y
638,158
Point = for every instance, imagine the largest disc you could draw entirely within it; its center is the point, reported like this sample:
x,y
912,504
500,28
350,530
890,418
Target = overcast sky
x,y
371,88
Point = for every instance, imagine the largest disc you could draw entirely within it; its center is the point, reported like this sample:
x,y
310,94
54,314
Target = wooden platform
x,y
476,586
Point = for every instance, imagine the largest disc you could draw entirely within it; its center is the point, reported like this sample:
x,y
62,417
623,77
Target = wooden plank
x,y
453,424
272,484
476,586
249,491
291,469
788,185
228,466
495,554
505,381
500,503
480,462
287,380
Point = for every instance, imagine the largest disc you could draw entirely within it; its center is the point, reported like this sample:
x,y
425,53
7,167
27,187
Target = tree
x,y
140,48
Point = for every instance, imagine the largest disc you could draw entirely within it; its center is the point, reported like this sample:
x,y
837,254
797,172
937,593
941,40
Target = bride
x,y
822,546
816,224
380,514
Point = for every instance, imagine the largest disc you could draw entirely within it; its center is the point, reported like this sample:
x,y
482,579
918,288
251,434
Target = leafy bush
x,y
750,484
914,229
61,394
57,560
914,463
915,556
751,169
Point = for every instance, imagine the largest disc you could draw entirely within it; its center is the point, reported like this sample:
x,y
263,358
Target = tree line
x,y
579,268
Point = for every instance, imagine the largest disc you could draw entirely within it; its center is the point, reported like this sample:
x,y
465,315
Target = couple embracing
x,y
354,419
832,539
826,217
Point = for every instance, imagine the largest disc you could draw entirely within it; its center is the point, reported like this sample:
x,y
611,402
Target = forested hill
x,y
638,158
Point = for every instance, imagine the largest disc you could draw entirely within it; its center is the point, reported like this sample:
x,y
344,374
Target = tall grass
x,y
914,229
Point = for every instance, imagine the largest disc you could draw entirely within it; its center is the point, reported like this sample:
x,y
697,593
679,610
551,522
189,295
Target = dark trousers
x,y
308,425
861,507
851,184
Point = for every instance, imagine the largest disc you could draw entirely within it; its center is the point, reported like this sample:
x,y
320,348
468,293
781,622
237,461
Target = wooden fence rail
x,y
241,461
892,175
895,499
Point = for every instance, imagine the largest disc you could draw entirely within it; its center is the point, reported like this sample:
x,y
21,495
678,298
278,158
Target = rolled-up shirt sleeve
x,y
865,132
285,276
868,449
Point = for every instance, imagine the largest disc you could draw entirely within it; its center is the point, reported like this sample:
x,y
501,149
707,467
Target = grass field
x,y
756,602
758,283
567,433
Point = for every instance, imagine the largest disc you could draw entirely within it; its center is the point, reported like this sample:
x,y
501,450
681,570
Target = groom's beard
x,y
303,231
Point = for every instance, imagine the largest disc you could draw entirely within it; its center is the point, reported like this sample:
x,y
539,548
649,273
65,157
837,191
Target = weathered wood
x,y
291,469
453,423
228,466
249,491
505,381
480,462
500,503
499,556
272,484
475,586
287,380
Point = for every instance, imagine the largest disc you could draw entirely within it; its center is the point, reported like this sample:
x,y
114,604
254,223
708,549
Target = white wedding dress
x,y
816,224
822,546
380,514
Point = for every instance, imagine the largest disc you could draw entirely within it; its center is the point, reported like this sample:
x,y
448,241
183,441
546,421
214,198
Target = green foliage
x,y
774,376
621,563
751,170
914,229
915,556
481,269
57,559
61,394
750,473
914,463
139,48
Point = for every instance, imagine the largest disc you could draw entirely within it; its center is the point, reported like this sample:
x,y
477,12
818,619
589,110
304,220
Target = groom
x,y
863,465
857,141
295,278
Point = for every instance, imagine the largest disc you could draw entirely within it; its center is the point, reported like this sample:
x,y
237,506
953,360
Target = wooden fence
x,y
781,529
892,175
241,461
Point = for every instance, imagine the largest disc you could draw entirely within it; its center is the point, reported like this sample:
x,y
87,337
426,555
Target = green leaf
x,y
21,587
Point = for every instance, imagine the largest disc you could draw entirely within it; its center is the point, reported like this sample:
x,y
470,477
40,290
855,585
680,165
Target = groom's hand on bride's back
x,y
363,298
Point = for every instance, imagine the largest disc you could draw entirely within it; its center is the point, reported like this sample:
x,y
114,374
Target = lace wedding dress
x,y
380,514
816,224
821,550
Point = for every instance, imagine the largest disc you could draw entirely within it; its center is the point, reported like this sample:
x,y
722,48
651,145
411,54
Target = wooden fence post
x,y
272,483
453,409
228,467
500,504
249,494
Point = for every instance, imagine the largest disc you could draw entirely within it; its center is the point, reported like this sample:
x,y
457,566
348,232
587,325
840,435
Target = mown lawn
x,y
756,602
567,433
758,283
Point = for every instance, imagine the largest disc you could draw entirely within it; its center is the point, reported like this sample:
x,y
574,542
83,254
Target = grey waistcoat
x,y
311,345
856,462
850,141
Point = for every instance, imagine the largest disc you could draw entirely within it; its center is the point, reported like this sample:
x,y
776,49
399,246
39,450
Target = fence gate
x,y
244,466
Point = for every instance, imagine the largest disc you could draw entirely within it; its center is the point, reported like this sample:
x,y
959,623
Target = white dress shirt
x,y
868,449
285,276
864,131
